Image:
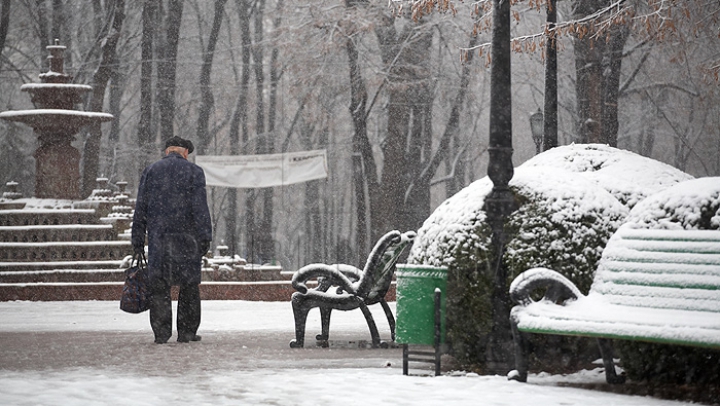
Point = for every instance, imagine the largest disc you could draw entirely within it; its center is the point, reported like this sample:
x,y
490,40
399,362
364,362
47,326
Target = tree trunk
x,y
145,134
361,149
238,125
264,243
57,29
117,89
43,35
91,149
4,24
615,46
421,184
167,68
597,70
589,77
207,101
269,193
405,58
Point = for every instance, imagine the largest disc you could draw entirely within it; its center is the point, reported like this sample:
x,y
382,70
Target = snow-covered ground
x,y
91,353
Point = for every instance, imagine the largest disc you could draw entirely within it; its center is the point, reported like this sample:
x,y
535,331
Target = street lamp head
x,y
536,127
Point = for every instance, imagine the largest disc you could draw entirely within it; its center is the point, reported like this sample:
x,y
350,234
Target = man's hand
x,y
139,250
204,247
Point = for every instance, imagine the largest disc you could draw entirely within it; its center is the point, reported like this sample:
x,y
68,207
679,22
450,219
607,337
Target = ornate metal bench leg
x,y
371,325
300,312
390,318
521,350
607,355
325,313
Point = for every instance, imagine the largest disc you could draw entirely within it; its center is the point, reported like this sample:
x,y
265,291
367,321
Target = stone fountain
x,y
55,121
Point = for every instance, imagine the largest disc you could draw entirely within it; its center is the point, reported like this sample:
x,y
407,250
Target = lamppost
x,y
536,128
500,203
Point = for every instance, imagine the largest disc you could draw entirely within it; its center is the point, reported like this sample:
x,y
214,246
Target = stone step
x,y
47,217
64,276
116,273
58,265
64,251
271,291
66,232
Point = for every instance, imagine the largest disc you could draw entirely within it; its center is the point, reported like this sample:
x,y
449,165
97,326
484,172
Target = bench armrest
x,y
558,288
341,275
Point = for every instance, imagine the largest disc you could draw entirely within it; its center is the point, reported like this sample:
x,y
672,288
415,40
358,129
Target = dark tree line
x,y
401,109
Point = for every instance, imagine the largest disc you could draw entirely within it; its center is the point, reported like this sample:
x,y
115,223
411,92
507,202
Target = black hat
x,y
179,142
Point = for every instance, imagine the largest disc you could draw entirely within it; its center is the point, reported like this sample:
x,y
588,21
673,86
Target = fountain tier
x,y
55,121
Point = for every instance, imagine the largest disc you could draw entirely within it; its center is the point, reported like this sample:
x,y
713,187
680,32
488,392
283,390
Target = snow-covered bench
x,y
345,287
659,286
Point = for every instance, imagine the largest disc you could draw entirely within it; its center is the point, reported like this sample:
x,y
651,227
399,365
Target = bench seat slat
x,y
658,268
594,316
619,253
670,235
666,280
696,247
657,297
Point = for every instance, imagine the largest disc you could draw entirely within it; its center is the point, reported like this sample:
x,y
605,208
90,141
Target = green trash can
x,y
415,297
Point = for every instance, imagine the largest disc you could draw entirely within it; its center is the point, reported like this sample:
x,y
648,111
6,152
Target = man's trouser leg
x,y
188,316
161,311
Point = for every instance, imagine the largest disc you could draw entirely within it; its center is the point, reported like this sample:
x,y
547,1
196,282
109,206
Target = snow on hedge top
x,y
693,204
553,199
627,176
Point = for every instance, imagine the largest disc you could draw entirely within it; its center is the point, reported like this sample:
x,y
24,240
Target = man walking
x,y
172,208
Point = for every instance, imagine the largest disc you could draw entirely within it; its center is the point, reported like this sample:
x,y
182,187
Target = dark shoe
x,y
160,341
189,337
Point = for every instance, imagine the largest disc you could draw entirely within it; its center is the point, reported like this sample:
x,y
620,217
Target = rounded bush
x,y
562,222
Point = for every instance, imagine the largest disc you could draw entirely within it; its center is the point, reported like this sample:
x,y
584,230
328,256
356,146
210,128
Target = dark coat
x,y
172,207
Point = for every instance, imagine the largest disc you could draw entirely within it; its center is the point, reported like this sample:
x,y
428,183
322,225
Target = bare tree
x,y
206,99
103,73
4,24
145,132
167,67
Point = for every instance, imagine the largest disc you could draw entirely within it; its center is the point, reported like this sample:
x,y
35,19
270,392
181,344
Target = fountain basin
x,y
56,95
55,119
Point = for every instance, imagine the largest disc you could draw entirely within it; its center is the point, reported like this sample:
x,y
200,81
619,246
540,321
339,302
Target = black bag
x,y
136,293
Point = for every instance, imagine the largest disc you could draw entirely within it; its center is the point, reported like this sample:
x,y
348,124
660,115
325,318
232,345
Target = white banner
x,y
258,171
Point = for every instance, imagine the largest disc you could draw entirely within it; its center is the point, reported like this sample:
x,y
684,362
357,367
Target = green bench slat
x,y
659,268
660,297
693,247
667,280
627,255
671,235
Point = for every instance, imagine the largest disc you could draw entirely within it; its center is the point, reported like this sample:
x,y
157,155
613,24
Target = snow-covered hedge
x,y
626,175
690,205
563,222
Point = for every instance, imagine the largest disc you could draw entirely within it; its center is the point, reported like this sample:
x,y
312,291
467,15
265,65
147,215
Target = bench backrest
x,y
380,266
672,269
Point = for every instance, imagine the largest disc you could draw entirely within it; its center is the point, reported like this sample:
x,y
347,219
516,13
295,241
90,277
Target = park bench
x,y
660,286
352,288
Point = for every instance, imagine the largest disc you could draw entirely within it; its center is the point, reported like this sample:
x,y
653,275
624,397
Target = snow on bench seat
x,y
651,285
593,316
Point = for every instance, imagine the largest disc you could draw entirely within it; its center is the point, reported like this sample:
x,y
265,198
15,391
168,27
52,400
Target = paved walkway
x,y
217,351
54,335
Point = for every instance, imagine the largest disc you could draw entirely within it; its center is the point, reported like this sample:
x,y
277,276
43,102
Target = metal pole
x,y
438,329
550,136
500,202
